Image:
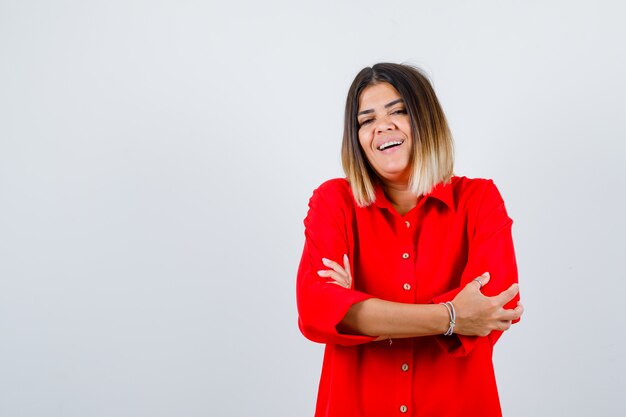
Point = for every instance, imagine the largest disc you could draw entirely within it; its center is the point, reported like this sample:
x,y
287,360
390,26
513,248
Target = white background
x,y
156,160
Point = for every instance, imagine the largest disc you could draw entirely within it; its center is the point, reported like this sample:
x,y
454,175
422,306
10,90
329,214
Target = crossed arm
x,y
476,314
332,311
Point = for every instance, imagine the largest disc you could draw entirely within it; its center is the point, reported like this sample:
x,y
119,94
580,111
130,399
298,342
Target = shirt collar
x,y
442,192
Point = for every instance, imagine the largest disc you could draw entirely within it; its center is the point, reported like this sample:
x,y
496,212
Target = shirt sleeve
x,y
491,250
321,304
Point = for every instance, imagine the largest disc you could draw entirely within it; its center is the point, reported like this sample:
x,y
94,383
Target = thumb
x,y
346,264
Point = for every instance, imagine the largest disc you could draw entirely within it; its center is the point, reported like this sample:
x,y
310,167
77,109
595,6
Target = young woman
x,y
408,273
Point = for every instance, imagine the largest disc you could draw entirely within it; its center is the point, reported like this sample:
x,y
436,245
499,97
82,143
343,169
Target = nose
x,y
384,124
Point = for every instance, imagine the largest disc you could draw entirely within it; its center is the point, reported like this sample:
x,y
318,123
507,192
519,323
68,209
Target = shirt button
x,y
408,224
405,255
403,408
405,367
407,286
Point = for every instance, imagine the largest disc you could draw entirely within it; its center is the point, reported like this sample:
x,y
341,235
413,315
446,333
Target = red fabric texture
x,y
454,234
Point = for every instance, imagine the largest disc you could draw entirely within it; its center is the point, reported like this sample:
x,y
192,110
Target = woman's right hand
x,y
479,315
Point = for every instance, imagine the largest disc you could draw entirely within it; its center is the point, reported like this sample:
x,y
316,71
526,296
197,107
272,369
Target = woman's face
x,y
385,132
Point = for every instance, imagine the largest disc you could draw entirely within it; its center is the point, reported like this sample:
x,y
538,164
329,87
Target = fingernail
x,y
486,274
322,273
325,261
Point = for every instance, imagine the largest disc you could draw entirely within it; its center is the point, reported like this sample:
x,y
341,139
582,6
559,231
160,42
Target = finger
x,y
346,264
513,314
333,265
328,273
480,281
504,325
336,268
507,295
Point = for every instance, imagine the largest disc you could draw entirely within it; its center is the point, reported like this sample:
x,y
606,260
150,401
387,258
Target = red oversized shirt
x,y
453,235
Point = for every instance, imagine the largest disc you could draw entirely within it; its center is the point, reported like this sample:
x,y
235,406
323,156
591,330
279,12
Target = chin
x,y
396,177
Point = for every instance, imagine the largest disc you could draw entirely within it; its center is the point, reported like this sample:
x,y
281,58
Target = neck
x,y
401,197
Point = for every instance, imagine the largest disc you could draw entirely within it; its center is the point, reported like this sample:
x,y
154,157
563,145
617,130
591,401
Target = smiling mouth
x,y
390,144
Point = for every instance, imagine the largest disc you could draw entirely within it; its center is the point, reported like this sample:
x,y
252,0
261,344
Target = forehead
x,y
377,95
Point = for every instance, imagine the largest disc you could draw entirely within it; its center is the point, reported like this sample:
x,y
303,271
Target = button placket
x,y
403,364
404,377
404,395
407,270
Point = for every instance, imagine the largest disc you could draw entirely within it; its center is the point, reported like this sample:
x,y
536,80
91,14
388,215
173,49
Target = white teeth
x,y
389,144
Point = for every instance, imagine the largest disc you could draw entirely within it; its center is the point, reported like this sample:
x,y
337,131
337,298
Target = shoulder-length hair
x,y
432,157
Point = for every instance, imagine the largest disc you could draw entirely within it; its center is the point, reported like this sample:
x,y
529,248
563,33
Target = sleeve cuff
x,y
455,345
323,327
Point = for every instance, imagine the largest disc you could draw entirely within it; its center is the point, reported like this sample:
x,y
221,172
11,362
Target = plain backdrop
x,y
156,160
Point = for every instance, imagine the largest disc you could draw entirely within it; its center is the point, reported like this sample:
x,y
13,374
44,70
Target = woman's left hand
x,y
339,275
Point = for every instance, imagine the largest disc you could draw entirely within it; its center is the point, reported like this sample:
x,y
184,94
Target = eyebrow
x,y
391,103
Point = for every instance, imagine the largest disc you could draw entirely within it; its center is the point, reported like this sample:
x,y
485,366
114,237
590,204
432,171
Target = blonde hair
x,y
432,156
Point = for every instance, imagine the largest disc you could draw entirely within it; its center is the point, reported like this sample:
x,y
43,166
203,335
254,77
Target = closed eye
x,y
365,122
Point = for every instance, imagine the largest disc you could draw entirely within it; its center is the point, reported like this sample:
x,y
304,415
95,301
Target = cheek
x,y
408,131
366,148
365,139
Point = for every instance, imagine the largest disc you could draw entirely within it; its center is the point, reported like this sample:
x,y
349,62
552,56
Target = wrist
x,y
441,319
451,316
